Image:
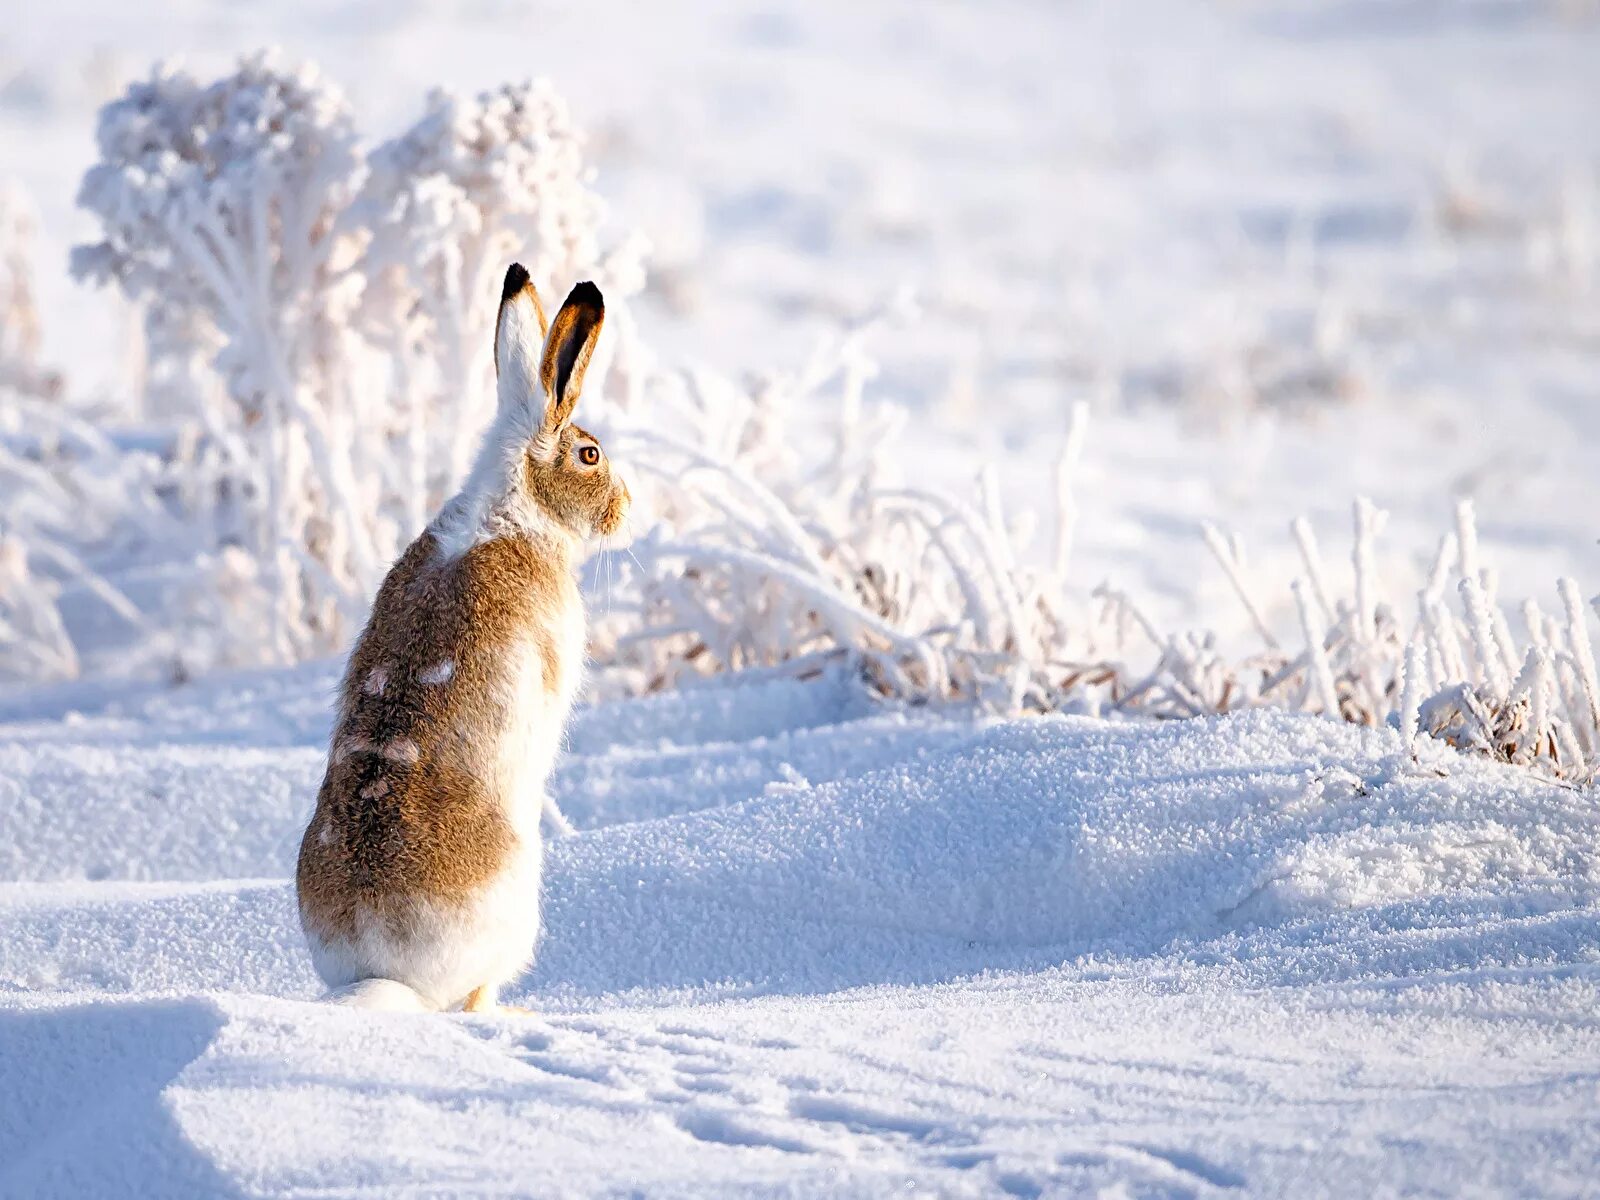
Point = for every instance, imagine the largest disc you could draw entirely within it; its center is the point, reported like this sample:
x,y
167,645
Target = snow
x,y
805,945
858,950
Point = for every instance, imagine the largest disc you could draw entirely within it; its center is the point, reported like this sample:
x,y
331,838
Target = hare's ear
x,y
518,333
567,351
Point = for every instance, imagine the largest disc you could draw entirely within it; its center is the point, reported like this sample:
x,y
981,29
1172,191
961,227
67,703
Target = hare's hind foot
x,y
483,1000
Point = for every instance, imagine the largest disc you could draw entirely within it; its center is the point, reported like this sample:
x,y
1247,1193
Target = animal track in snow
x,y
716,1125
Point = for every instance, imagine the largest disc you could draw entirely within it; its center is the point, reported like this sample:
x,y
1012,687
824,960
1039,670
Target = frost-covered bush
x,y
32,633
322,320
220,205
319,318
19,310
473,185
1453,669
318,314
65,488
760,556
68,493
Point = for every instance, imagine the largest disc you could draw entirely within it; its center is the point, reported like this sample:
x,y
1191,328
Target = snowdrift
x,y
877,850
801,946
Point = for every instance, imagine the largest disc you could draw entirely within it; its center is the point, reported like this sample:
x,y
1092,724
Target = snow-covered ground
x,y
806,945
799,947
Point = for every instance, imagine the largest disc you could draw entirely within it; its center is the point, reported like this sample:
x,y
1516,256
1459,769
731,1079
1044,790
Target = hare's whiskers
x,y
627,526
605,552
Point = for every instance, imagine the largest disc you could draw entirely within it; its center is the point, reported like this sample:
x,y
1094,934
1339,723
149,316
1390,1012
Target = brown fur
x,y
582,498
430,824
410,807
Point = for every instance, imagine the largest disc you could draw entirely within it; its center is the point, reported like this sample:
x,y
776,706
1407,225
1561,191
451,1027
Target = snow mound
x,y
798,949
876,851
1034,841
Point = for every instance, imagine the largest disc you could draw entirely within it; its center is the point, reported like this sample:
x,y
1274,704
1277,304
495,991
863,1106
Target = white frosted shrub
x,y
33,640
1453,669
65,489
19,310
320,315
473,185
760,556
220,204
68,494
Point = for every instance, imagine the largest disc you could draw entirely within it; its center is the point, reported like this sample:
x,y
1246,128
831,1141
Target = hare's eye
x,y
589,455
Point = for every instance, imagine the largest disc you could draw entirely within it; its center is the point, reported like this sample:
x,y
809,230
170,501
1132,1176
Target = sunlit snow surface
x,y
800,946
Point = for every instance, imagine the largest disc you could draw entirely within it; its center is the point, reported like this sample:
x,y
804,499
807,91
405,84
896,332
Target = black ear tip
x,y
516,280
587,295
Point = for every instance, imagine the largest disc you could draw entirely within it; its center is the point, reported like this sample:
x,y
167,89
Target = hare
x,y
418,878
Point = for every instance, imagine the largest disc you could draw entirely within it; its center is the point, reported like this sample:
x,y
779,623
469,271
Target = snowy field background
x,y
804,942
802,949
